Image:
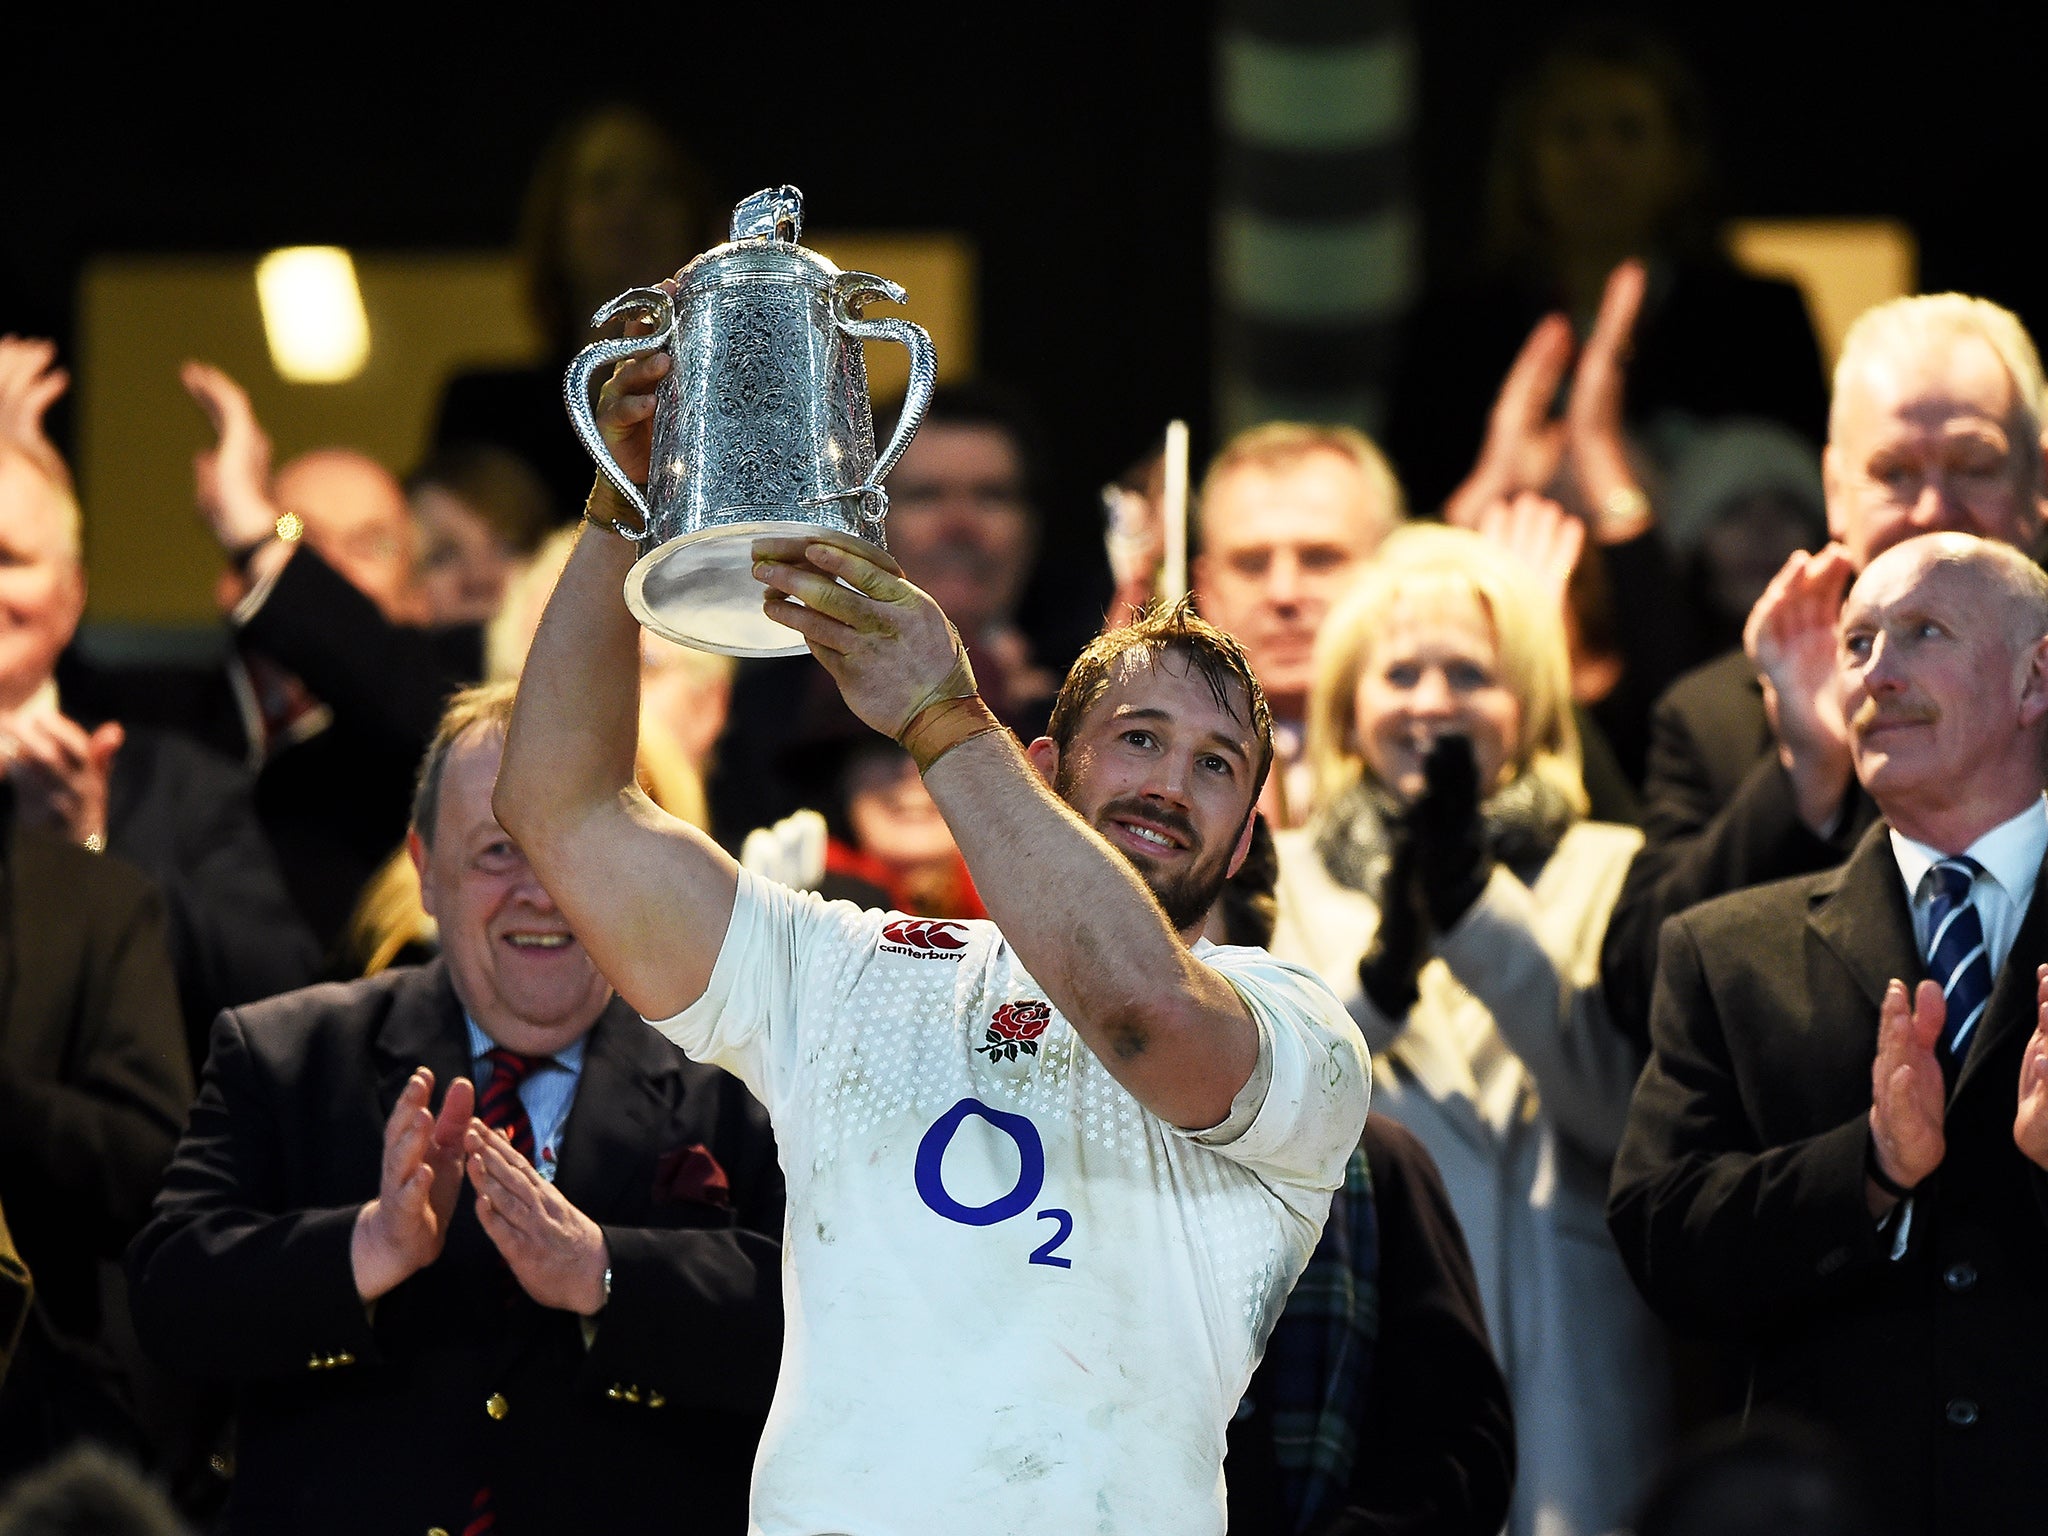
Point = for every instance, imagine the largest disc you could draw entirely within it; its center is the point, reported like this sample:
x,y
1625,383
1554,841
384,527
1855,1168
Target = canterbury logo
x,y
925,937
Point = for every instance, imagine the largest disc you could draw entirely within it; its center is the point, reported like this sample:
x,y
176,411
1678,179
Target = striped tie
x,y
1957,958
498,1104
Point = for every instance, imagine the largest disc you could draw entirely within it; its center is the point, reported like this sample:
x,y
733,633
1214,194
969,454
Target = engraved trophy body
x,y
762,426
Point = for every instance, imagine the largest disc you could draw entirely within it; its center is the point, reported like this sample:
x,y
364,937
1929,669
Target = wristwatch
x,y
288,529
1624,511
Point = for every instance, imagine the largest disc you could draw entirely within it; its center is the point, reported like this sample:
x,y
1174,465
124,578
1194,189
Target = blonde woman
x,y
1451,890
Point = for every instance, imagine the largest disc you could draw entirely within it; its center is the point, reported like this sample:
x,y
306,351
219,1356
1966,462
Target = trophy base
x,y
699,590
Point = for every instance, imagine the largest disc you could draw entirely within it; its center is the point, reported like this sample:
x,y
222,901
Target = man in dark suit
x,y
1936,425
1820,1166
333,683
470,1241
93,1087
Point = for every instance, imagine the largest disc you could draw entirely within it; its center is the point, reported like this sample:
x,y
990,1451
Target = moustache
x,y
1870,714
1159,815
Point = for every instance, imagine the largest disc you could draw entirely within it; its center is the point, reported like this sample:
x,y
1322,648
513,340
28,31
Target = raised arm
x,y
1169,1028
648,895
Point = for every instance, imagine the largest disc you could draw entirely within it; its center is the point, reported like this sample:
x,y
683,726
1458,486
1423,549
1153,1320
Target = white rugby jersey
x,y
1017,1301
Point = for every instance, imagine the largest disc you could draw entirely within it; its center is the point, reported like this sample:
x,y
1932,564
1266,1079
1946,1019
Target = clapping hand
x,y
1450,837
30,383
60,771
2030,1125
1908,1096
1790,639
1438,864
555,1252
401,1231
230,480
1541,536
1581,457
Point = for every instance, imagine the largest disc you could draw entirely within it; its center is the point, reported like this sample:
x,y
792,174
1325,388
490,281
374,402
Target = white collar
x,y
2010,853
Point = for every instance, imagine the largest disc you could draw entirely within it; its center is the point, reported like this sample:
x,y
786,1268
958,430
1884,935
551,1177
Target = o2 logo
x,y
931,1182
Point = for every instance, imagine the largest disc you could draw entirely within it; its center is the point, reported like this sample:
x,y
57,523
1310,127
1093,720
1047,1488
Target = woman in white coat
x,y
1451,890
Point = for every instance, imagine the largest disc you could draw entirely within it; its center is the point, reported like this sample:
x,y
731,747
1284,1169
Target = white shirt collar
x,y
2010,853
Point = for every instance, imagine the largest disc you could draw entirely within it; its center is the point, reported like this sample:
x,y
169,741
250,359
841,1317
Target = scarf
x,y
1523,825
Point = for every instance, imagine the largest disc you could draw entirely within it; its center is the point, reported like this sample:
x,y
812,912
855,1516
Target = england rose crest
x,y
1016,1027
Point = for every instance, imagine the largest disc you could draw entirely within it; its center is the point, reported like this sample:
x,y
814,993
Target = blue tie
x,y
1957,958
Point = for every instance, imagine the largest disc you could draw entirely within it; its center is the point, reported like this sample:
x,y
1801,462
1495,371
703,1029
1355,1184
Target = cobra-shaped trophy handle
x,y
849,292
603,354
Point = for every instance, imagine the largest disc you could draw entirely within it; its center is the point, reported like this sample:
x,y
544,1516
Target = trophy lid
x,y
763,247
776,213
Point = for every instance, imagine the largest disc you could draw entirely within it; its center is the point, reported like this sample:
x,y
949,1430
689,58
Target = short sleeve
x,y
784,952
1321,1080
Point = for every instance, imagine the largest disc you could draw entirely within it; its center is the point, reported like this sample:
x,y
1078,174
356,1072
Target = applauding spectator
x,y
1601,155
1820,1168
333,685
544,1292
1451,891
1936,426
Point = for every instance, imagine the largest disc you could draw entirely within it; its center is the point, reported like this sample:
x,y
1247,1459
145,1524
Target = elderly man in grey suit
x,y
1835,1156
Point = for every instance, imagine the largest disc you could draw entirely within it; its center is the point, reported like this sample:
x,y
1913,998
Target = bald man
x,y
1835,1157
1935,427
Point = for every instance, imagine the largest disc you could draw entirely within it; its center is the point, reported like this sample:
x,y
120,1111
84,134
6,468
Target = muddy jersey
x,y
1017,1300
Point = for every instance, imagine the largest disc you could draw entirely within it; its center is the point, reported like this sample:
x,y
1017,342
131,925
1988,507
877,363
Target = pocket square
x,y
692,1173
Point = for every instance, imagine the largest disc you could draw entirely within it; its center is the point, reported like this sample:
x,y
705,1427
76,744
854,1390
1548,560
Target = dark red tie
x,y
498,1104
499,1107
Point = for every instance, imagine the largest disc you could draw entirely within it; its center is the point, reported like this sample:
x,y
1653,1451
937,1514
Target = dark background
x,y
1072,142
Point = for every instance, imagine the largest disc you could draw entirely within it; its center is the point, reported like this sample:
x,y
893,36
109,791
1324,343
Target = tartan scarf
x,y
1319,1360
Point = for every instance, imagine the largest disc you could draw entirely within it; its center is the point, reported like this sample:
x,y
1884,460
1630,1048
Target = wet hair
x,y
1160,630
488,706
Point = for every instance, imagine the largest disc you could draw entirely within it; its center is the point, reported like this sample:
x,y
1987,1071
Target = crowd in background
x,y
1551,662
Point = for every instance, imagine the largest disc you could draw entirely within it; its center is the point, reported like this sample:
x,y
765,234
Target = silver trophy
x,y
762,427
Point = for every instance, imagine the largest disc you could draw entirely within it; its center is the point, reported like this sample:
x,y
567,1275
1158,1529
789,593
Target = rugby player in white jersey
x,y
1051,1176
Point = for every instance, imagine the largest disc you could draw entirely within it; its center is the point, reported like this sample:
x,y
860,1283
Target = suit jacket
x,y
335,804
187,819
1718,816
93,1088
1738,1195
355,1419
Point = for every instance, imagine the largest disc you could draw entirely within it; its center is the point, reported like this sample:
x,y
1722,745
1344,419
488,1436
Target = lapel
x,y
621,1106
2012,1010
1859,912
423,1028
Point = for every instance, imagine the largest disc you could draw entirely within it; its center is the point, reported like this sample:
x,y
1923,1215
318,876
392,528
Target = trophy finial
x,y
775,213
